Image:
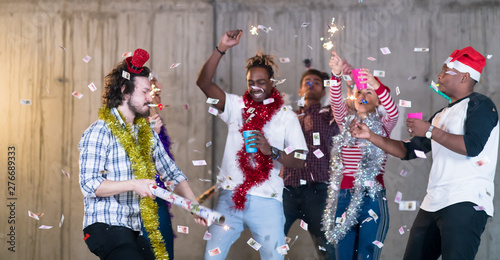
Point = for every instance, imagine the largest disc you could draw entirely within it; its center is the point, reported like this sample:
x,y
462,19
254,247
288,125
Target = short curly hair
x,y
112,96
261,60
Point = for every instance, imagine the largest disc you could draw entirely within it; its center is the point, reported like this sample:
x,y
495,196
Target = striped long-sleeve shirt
x,y
351,155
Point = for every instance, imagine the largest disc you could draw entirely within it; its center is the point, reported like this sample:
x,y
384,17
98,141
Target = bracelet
x,y
337,76
221,52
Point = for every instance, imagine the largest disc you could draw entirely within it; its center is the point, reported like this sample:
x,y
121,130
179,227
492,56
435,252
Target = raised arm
x,y
339,108
205,78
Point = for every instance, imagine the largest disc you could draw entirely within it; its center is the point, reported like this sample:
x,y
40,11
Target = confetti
x,y
316,139
402,230
285,60
26,102
385,50
368,219
378,243
302,182
212,101
303,225
61,221
152,123
175,65
329,83
421,49
186,106
371,59
289,149
373,214
302,101
44,227
263,28
310,47
86,59
346,78
369,183
483,161
204,180
36,216
397,91
478,208
412,77
300,156
417,115
408,205
283,250
199,162
277,82
328,45
65,173
254,244
127,54
92,87
399,197
379,73
321,248
214,251
304,25
404,103
208,144
251,110
64,49
339,220
420,154
213,111
207,236
77,95
257,88
183,229
318,153
125,75
268,101
403,172
489,56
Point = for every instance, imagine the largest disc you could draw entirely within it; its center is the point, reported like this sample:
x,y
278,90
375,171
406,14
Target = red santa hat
x,y
135,63
467,60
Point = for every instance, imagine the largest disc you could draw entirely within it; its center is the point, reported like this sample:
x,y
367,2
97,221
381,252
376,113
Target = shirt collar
x,y
115,112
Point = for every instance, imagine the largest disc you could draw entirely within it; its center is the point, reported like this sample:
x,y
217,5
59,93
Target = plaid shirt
x,y
314,119
103,158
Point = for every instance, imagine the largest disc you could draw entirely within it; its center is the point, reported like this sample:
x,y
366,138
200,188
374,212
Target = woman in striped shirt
x,y
356,216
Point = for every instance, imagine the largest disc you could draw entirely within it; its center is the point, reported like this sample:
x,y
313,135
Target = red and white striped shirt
x,y
351,155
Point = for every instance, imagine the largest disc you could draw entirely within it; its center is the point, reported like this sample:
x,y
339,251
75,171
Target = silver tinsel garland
x,y
364,179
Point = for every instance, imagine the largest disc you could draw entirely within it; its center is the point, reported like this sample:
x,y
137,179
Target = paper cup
x,y
249,148
415,115
355,74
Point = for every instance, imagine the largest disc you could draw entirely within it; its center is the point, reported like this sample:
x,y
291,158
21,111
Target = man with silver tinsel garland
x,y
463,138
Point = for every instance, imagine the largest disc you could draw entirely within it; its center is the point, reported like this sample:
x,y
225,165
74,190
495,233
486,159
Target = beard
x,y
136,109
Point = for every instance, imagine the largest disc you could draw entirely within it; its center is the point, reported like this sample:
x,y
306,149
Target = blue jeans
x,y
263,216
165,227
358,242
307,202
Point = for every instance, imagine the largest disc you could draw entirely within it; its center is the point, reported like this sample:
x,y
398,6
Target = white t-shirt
x,y
282,131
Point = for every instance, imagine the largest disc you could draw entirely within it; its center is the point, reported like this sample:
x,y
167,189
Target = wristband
x,y
221,52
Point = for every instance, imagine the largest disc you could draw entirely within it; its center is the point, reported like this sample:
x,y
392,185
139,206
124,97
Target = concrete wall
x,y
45,134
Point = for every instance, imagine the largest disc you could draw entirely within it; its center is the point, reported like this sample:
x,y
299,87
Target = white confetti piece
x,y
397,91
316,139
289,149
378,243
64,49
125,75
199,162
208,144
204,180
310,47
127,54
321,248
408,205
420,154
318,153
373,214
421,49
26,102
478,208
404,103
278,82
175,65
300,156
212,101
385,50
77,95
268,101
213,111
368,219
346,78
302,182
371,59
65,173
329,83
304,25
303,225
87,58
402,230
36,216
283,250
263,28
489,56
92,87
254,244
339,220
207,236
285,60
214,251
379,73
45,227
412,77
183,229
61,221
399,197
403,172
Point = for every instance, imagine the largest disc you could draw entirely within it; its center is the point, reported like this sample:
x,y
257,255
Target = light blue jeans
x,y
263,216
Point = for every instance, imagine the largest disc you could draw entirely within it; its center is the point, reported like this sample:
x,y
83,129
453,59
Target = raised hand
x,y
366,76
229,39
335,63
